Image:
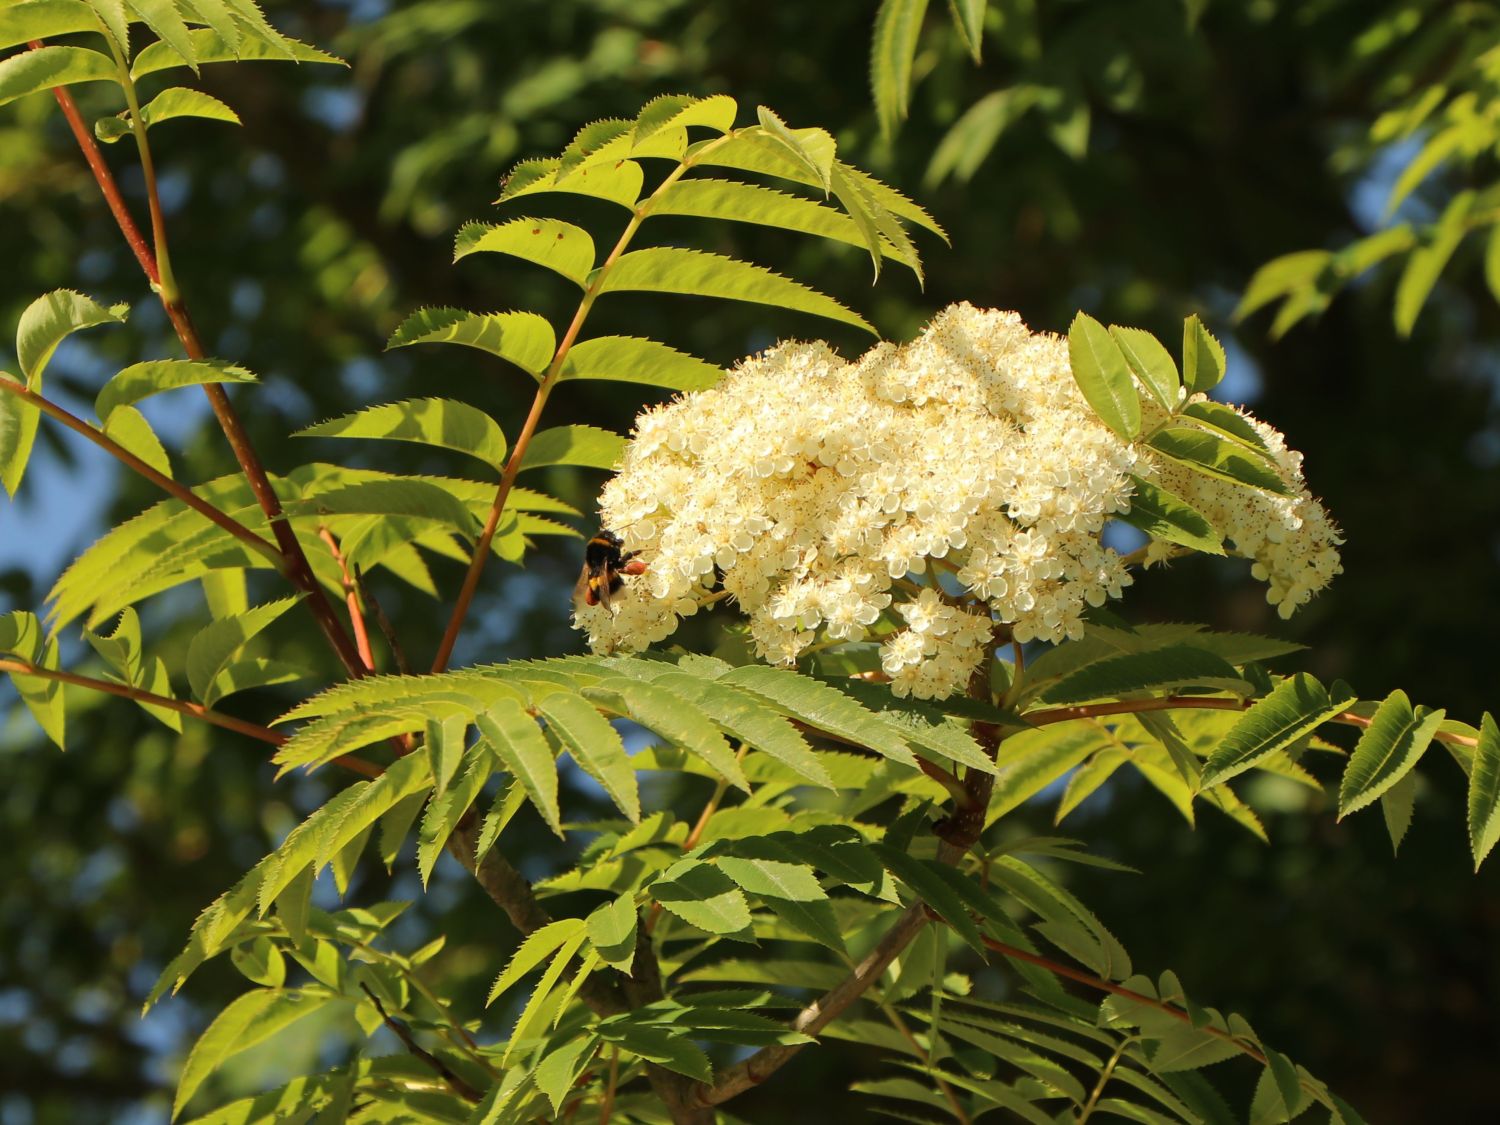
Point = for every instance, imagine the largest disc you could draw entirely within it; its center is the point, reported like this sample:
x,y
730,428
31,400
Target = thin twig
x,y
1199,702
351,599
1061,970
403,1033
177,491
607,1105
383,623
182,707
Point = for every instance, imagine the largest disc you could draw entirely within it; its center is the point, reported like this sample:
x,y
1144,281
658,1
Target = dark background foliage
x,y
301,238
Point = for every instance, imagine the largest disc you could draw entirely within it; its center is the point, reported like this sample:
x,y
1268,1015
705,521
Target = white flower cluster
x,y
923,494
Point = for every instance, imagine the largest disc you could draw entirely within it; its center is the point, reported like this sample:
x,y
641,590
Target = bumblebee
x,y
604,565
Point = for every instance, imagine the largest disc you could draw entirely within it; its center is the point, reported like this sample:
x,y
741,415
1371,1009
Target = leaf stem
x,y
528,428
1104,1076
180,492
166,283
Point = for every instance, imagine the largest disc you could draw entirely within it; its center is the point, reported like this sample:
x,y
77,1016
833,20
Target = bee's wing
x,y
581,591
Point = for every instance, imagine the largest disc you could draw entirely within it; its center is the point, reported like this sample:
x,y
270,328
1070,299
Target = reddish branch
x,y
351,599
294,560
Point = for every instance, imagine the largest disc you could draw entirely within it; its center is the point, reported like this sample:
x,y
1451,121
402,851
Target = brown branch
x,y
819,1014
294,560
403,1033
177,491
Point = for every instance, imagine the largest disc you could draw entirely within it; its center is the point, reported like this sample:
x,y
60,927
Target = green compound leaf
x,y
209,47
612,930
586,446
557,1073
1215,456
771,878
678,111
446,810
215,646
49,320
1100,370
630,359
555,245
810,150
21,635
1391,745
538,946
428,421
1202,357
667,1048
1484,791
1228,421
1296,707
898,24
1425,264
596,747
934,890
411,497
618,182
1151,363
702,896
522,338
252,1018
31,72
128,428
672,717
823,708
1174,666
22,22
18,426
164,18
752,203
142,380
667,269
1166,516
518,742
746,717
1396,805
175,102
968,18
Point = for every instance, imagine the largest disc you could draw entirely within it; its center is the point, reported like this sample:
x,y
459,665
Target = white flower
x,y
818,492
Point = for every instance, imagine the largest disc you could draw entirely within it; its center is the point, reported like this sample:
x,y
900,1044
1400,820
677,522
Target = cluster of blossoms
x,y
923,494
